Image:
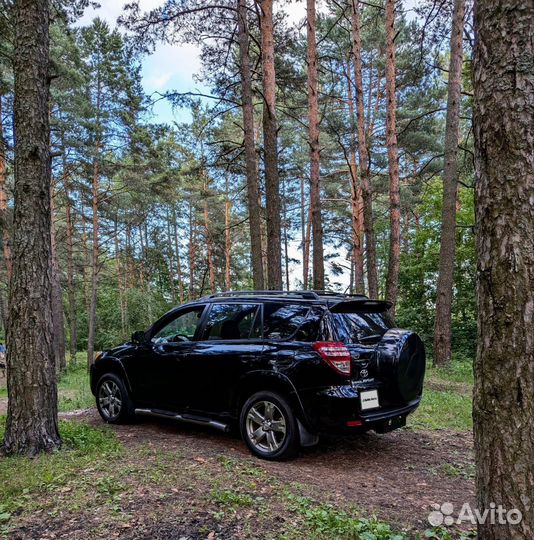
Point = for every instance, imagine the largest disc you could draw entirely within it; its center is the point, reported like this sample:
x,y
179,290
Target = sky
x,y
170,67
173,67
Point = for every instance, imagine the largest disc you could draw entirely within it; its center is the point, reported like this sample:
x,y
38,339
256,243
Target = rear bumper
x,y
336,410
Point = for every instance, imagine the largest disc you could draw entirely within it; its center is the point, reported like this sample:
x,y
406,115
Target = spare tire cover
x,y
401,363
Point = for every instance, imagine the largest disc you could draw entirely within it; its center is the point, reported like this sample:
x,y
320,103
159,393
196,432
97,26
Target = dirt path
x,y
399,475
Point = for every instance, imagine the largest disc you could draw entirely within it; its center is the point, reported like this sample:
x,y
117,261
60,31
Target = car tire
x,y
112,400
270,416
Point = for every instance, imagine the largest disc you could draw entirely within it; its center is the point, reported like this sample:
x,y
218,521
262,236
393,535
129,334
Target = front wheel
x,y
269,427
112,399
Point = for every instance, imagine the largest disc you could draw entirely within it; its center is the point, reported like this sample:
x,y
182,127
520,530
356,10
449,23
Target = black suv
x,y
283,366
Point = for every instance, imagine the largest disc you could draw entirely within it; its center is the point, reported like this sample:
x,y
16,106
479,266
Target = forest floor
x,y
161,480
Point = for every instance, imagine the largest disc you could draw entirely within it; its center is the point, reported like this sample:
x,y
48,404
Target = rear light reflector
x,y
354,423
335,354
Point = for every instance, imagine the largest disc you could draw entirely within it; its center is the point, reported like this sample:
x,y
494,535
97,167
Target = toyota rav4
x,y
283,367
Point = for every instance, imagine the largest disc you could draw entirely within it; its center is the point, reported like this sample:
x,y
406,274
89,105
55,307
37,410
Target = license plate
x,y
369,400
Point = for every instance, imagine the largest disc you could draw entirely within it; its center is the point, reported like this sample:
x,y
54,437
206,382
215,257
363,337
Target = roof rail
x,y
334,293
311,295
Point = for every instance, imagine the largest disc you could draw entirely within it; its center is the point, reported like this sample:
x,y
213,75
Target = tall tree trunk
x,y
4,223
58,317
305,244
31,425
227,238
367,196
120,281
177,255
270,143
442,328
315,150
503,76
251,160
392,279
71,285
285,237
94,260
170,248
209,248
357,259
86,259
192,256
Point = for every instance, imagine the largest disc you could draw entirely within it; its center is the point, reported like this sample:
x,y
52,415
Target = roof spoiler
x,y
361,304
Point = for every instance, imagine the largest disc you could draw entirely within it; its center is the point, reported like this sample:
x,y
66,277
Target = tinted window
x,y
361,327
183,328
232,321
283,321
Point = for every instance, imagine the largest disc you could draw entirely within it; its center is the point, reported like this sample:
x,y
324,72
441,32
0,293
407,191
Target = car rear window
x,y
285,321
361,327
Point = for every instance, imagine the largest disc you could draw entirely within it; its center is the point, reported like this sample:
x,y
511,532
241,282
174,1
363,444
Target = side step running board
x,y
189,418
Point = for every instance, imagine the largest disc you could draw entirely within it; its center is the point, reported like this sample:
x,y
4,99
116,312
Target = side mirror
x,y
138,337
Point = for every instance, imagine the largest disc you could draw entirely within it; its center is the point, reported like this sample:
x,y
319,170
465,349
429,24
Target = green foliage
x,y
419,265
230,498
327,521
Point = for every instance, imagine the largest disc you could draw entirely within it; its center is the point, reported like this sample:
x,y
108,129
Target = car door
x,y
162,376
230,345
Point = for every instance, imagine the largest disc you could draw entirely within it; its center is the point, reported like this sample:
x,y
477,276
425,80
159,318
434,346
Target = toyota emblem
x,y
364,373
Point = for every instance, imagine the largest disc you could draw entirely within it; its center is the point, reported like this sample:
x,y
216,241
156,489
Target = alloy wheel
x,y
266,426
110,399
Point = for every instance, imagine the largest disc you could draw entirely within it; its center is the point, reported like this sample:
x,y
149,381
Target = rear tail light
x,y
335,354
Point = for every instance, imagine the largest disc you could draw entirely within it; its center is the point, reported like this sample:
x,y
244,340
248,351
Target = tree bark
x,y
4,222
177,254
94,257
442,328
192,256
367,196
71,285
251,160
357,258
31,425
209,247
58,317
227,237
270,143
503,76
120,281
315,150
170,247
392,279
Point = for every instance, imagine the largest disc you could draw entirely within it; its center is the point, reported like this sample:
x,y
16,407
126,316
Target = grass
x,y
447,399
94,474
23,481
73,388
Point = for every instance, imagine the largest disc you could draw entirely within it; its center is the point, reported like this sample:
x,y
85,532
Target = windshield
x,y
361,327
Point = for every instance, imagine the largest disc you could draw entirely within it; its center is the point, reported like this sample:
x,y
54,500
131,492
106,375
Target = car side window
x,y
232,321
282,321
182,328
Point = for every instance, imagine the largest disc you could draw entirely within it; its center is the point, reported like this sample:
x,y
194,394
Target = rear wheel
x,y
112,400
269,426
